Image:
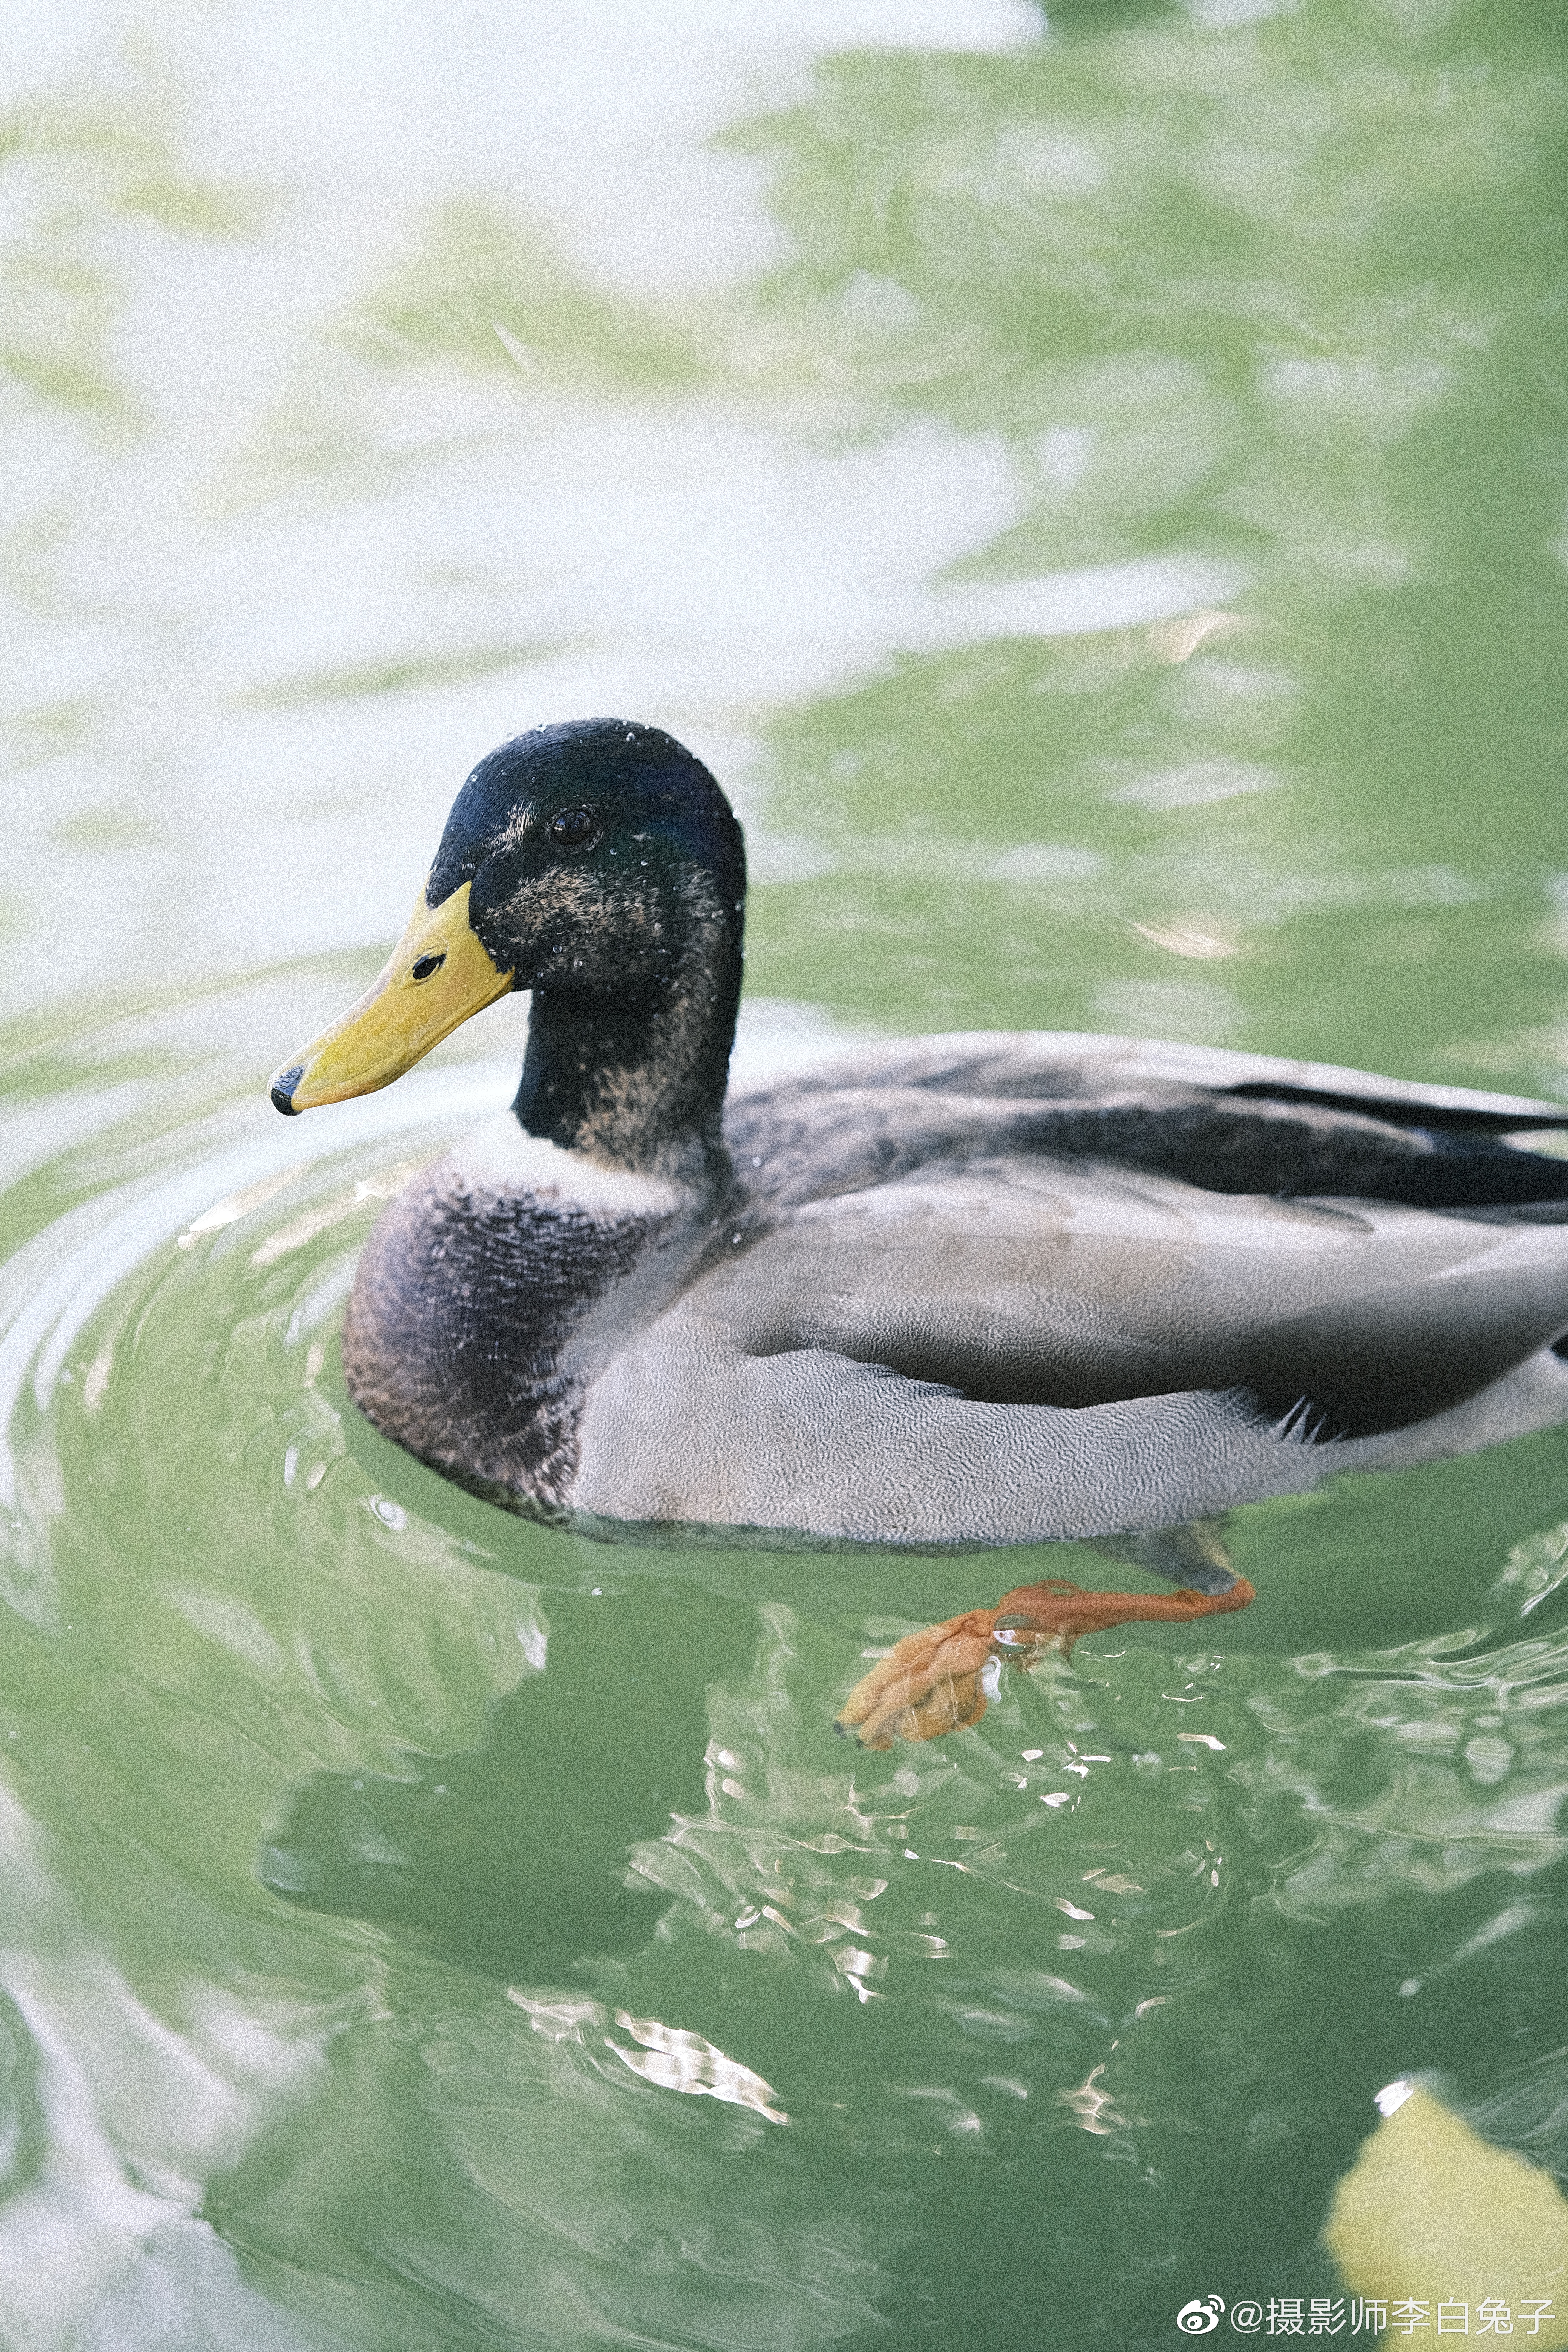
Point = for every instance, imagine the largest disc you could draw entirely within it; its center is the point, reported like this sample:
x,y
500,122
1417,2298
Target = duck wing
x,y
1232,1123
1062,1063
1025,1352
992,1289
1025,1278
1077,1221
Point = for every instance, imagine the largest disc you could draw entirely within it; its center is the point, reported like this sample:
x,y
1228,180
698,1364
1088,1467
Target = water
x,y
872,396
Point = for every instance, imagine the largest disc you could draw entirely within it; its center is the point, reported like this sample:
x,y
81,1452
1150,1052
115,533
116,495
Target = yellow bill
x,y
436,976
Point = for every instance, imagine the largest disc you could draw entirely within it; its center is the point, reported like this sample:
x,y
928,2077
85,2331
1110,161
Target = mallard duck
x,y
952,1293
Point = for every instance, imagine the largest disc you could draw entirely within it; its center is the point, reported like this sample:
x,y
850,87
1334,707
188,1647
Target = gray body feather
x,y
977,1290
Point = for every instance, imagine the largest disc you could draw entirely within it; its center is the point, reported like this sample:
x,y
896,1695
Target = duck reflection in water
x,y
511,1858
954,1293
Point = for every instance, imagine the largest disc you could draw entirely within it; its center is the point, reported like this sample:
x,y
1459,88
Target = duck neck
x,y
636,1079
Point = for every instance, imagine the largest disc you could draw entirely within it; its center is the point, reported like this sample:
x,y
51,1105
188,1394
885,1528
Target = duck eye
x,y
422,966
572,826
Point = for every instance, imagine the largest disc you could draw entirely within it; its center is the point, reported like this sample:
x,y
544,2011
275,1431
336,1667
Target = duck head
x,y
598,864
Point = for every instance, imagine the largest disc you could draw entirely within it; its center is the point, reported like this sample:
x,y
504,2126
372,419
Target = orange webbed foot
x,y
930,1681
927,1683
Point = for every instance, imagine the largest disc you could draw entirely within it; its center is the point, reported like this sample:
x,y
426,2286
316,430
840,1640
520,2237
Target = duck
x,y
947,1293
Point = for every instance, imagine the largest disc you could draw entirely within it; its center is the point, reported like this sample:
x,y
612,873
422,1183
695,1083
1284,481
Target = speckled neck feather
x,y
636,1078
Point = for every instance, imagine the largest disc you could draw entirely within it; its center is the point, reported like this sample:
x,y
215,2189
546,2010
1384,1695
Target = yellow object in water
x,y
1431,2214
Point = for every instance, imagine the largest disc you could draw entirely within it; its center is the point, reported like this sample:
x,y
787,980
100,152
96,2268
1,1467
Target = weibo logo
x,y
1201,2316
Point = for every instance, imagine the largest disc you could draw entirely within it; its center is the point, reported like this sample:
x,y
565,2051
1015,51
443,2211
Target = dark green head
x,y
598,852
598,864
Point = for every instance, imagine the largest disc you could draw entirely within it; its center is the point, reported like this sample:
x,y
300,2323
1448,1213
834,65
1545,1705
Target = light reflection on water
x,y
1093,496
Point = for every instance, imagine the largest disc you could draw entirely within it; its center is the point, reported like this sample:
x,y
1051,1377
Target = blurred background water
x,y
1095,493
